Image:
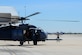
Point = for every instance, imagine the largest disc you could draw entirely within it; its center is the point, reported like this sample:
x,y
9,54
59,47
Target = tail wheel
x,y
21,43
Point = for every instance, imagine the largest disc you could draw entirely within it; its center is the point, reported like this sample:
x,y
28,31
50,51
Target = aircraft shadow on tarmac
x,y
55,39
31,45
24,45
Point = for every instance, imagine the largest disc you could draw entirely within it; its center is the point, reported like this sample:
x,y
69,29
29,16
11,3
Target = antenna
x,y
23,21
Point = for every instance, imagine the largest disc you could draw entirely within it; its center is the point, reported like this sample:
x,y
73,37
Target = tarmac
x,y
69,45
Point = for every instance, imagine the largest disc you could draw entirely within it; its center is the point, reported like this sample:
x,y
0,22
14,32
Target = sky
x,y
50,10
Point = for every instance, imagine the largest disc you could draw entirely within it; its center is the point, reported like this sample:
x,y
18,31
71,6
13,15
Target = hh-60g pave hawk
x,y
22,32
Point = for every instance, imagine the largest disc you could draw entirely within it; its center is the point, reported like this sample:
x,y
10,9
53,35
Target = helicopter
x,y
22,32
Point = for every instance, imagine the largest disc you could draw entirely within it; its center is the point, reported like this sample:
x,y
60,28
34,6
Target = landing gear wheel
x,y
35,42
21,43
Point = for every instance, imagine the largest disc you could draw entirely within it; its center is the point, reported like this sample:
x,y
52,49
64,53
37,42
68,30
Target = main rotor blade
x,y
32,14
61,20
66,20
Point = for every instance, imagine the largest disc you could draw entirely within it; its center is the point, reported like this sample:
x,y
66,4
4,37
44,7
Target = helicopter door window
x,y
24,31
